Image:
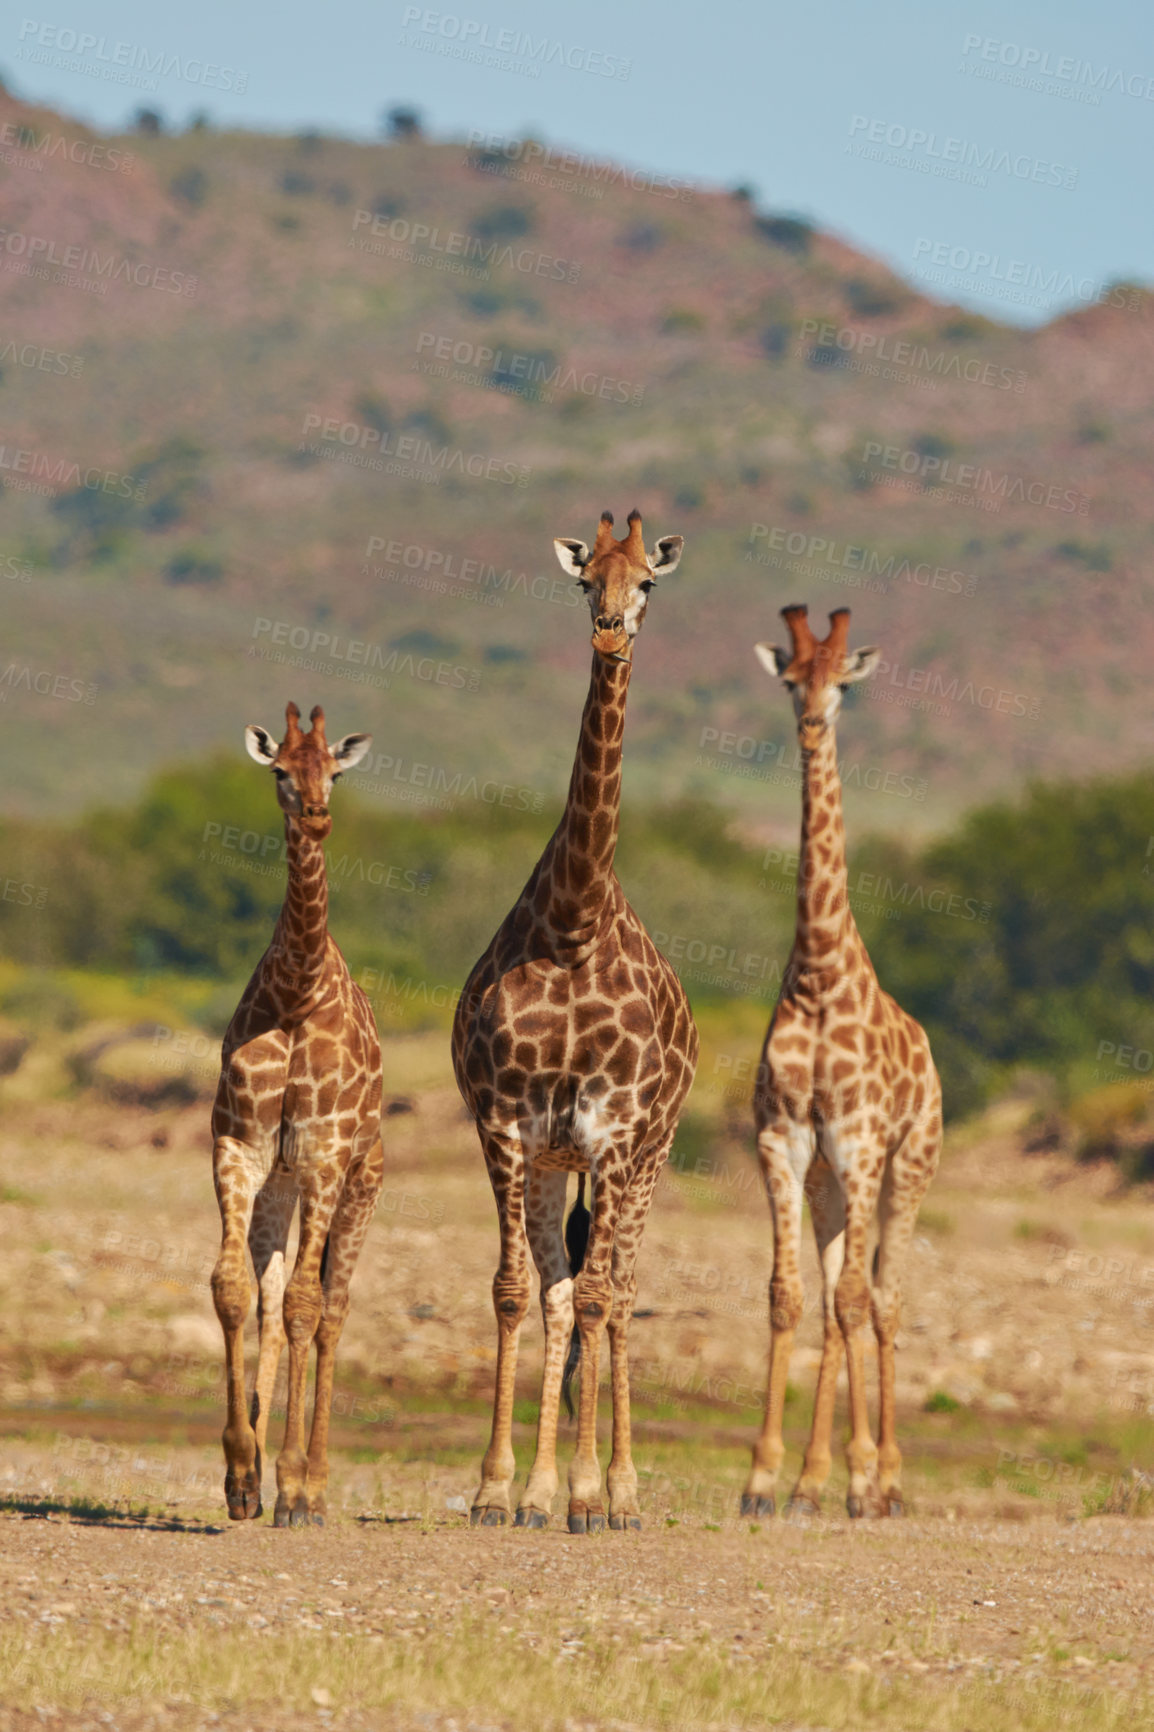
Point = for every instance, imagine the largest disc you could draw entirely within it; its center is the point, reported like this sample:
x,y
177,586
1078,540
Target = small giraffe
x,y
574,1048
297,1115
848,1110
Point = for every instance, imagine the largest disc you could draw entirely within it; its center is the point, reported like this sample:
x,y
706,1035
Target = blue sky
x,y
879,121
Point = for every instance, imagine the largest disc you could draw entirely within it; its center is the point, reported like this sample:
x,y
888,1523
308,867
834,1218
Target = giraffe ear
x,y
666,555
260,745
773,660
351,749
859,665
572,555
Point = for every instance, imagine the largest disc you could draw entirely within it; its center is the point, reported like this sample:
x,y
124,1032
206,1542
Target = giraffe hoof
x,y
596,1519
620,1522
801,1508
483,1516
280,1517
243,1500
318,1519
531,1518
894,1504
752,1505
855,1507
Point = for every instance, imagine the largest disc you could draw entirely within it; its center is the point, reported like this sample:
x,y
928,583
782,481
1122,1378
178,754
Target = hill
x,y
298,416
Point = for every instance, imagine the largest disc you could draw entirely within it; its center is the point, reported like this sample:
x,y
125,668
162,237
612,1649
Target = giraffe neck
x,y
578,863
823,915
300,940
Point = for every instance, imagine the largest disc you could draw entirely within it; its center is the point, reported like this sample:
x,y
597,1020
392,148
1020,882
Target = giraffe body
x,y
574,1048
848,1112
296,1119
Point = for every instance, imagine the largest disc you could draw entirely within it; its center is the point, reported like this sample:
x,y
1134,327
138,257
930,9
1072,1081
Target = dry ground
x,y
1018,1593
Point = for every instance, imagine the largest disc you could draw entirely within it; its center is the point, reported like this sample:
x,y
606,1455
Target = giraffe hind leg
x,y
827,1209
544,1213
906,1181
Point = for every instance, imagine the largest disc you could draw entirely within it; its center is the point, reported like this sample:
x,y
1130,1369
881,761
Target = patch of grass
x,y
937,1221
940,1402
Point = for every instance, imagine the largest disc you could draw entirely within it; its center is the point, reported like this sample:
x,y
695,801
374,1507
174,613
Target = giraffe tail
x,y
576,1244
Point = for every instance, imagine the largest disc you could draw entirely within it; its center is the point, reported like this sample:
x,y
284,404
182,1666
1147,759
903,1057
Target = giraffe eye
x,y
586,585
281,775
645,585
337,774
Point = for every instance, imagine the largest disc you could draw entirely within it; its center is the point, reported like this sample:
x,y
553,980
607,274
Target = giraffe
x,y
297,1115
574,1049
848,1109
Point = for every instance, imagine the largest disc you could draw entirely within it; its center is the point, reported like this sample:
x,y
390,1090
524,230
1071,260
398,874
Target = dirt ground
x,y
1019,1590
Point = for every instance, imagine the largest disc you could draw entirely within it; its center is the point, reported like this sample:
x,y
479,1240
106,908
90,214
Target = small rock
x,y
458,1504
322,1698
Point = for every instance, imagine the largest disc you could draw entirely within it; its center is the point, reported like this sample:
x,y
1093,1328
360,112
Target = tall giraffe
x,y
574,1049
848,1110
297,1115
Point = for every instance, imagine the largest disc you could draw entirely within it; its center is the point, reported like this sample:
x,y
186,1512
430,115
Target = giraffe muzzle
x,y
316,811
611,640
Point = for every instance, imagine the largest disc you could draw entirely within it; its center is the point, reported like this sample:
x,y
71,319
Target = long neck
x,y
299,943
822,880
578,862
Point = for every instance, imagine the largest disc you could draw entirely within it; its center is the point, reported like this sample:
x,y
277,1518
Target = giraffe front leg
x,y
491,1505
236,1174
593,1299
347,1235
827,1210
858,1161
303,1307
267,1237
544,1219
785,1149
621,1478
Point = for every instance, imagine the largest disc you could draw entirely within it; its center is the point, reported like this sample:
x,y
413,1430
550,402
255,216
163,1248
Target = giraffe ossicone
x,y
574,1049
297,1118
848,1111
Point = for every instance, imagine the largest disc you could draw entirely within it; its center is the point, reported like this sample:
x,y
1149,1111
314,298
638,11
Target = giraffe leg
x,y
621,1478
303,1306
785,1149
858,1162
544,1219
267,1237
827,1210
346,1236
906,1179
593,1305
511,1289
236,1172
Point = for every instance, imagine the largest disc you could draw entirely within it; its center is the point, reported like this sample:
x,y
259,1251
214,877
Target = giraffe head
x,y
617,577
306,766
815,672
